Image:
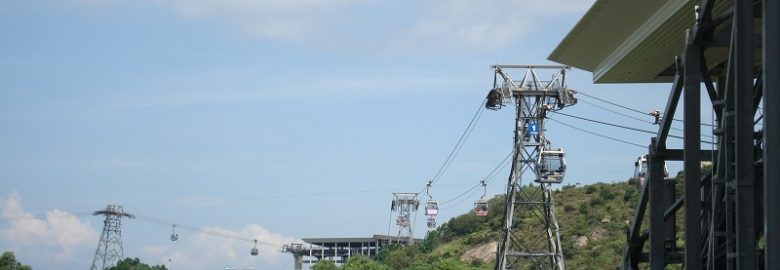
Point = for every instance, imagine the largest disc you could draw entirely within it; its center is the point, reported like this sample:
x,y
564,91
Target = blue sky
x,y
276,120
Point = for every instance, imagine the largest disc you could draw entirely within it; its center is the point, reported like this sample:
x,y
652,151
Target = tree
x,y
325,265
135,264
441,264
8,262
363,263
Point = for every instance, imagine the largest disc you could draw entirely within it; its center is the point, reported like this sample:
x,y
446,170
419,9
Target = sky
x,y
271,120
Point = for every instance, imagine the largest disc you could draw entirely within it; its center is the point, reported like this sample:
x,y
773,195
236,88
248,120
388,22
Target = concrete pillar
x,y
298,261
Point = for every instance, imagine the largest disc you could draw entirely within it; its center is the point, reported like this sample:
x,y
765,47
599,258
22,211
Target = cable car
x,y
641,171
481,208
432,208
431,222
254,250
551,166
174,235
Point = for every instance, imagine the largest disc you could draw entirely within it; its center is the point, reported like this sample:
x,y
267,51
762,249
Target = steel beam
x,y
671,107
745,162
771,76
692,148
659,202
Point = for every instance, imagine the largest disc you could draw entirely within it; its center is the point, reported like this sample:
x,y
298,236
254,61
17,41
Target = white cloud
x,y
58,229
277,20
205,251
356,23
484,24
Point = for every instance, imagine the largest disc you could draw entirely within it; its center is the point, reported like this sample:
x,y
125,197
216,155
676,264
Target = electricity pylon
x,y
404,204
109,250
538,245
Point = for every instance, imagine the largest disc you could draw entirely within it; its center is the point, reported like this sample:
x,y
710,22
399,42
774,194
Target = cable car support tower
x,y
537,246
109,250
404,204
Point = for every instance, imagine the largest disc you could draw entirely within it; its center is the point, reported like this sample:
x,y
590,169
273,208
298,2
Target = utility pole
x,y
109,250
404,204
538,246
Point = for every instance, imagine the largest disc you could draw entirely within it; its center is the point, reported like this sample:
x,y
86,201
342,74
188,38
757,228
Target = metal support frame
x,y
725,214
533,99
404,204
771,153
109,250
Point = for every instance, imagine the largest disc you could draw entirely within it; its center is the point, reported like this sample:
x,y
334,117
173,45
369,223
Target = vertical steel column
x,y
745,162
511,195
692,152
771,77
658,206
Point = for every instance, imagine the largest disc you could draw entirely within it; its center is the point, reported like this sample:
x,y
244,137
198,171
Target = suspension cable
x,y
459,145
597,134
623,127
628,108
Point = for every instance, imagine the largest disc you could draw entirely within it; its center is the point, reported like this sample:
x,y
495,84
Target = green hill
x,y
592,220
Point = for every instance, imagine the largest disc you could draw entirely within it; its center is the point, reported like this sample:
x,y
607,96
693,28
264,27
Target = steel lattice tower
x,y
404,204
109,250
537,246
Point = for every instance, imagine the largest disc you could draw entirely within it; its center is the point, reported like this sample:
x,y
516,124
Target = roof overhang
x,y
628,41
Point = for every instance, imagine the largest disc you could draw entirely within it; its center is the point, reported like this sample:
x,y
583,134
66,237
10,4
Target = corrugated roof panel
x,y
640,48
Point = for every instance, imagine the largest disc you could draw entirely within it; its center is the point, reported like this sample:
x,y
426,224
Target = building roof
x,y
628,41
356,239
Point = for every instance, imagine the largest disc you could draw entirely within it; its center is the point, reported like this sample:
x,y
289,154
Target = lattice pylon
x,y
534,244
109,250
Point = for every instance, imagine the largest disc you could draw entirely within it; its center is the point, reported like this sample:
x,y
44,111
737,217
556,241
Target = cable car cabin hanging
x,y
254,250
174,235
481,208
551,166
432,208
641,172
431,222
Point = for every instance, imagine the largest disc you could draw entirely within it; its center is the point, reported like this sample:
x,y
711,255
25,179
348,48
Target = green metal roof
x,y
623,41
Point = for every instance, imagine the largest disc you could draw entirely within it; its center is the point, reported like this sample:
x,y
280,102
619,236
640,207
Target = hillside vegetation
x,y
592,220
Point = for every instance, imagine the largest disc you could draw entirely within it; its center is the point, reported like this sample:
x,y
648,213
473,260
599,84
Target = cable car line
x,y
616,112
204,231
463,137
597,134
461,195
626,115
464,199
41,216
489,177
628,108
623,127
610,102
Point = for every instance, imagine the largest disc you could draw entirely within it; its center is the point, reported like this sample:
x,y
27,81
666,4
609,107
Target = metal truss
x,y
404,204
109,250
537,246
727,217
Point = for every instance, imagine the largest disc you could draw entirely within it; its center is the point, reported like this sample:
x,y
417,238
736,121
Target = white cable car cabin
x,y
481,208
551,166
431,222
640,172
254,250
174,235
432,208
